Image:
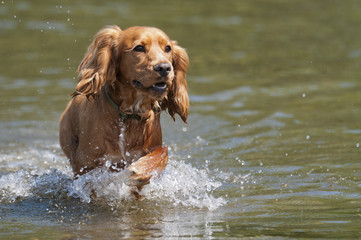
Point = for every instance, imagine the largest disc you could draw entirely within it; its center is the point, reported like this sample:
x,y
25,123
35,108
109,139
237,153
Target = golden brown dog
x,y
125,80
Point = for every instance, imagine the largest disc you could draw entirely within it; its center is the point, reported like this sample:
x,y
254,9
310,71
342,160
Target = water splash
x,y
179,184
185,185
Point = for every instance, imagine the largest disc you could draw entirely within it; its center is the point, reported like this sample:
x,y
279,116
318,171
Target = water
x,y
272,145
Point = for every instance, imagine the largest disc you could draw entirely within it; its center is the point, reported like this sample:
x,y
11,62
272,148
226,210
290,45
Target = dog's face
x,y
141,63
147,61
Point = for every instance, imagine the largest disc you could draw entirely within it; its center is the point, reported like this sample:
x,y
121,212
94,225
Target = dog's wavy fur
x,y
92,133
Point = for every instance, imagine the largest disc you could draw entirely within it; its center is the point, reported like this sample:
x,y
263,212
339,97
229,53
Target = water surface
x,y
272,144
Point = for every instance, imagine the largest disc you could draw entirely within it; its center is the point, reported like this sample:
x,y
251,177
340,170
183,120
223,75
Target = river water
x,y
272,144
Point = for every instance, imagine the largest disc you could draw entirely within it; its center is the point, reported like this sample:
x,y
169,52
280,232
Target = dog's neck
x,y
130,105
123,116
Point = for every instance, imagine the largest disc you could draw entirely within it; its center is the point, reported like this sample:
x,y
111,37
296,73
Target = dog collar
x,y
123,116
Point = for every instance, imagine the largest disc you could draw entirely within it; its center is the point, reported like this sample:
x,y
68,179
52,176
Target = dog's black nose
x,y
163,69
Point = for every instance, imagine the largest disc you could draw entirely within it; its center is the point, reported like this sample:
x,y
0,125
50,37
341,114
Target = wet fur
x,y
91,131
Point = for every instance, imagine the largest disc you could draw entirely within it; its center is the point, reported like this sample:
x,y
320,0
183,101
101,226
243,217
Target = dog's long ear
x,y
178,101
99,63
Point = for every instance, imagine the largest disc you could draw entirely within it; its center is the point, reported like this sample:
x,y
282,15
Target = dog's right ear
x,y
99,63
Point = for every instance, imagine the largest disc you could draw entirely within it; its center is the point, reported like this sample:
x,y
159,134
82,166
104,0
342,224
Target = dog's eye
x,y
139,48
168,49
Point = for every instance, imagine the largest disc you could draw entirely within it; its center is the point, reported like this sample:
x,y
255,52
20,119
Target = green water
x,y
274,120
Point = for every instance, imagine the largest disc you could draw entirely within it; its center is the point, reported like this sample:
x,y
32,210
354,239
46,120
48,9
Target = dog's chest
x,y
131,142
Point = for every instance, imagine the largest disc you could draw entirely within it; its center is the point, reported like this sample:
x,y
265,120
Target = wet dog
x,y
126,79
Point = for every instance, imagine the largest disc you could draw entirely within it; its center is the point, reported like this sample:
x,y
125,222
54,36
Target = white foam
x,y
183,184
179,184
100,184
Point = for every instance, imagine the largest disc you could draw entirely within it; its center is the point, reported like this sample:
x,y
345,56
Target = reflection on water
x,y
272,147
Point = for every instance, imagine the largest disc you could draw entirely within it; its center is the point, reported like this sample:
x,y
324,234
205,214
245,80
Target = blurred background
x,y
274,126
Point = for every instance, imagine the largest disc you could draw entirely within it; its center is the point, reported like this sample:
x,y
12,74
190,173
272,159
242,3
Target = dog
x,y
125,80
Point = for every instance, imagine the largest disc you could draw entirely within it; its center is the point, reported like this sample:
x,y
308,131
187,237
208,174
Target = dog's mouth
x,y
160,87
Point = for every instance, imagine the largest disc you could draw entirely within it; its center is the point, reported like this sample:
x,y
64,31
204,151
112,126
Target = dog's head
x,y
141,59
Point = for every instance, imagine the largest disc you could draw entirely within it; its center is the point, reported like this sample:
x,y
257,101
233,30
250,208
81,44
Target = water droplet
x,y
108,164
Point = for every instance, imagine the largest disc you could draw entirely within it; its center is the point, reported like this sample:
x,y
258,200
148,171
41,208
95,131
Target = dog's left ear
x,y
178,101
